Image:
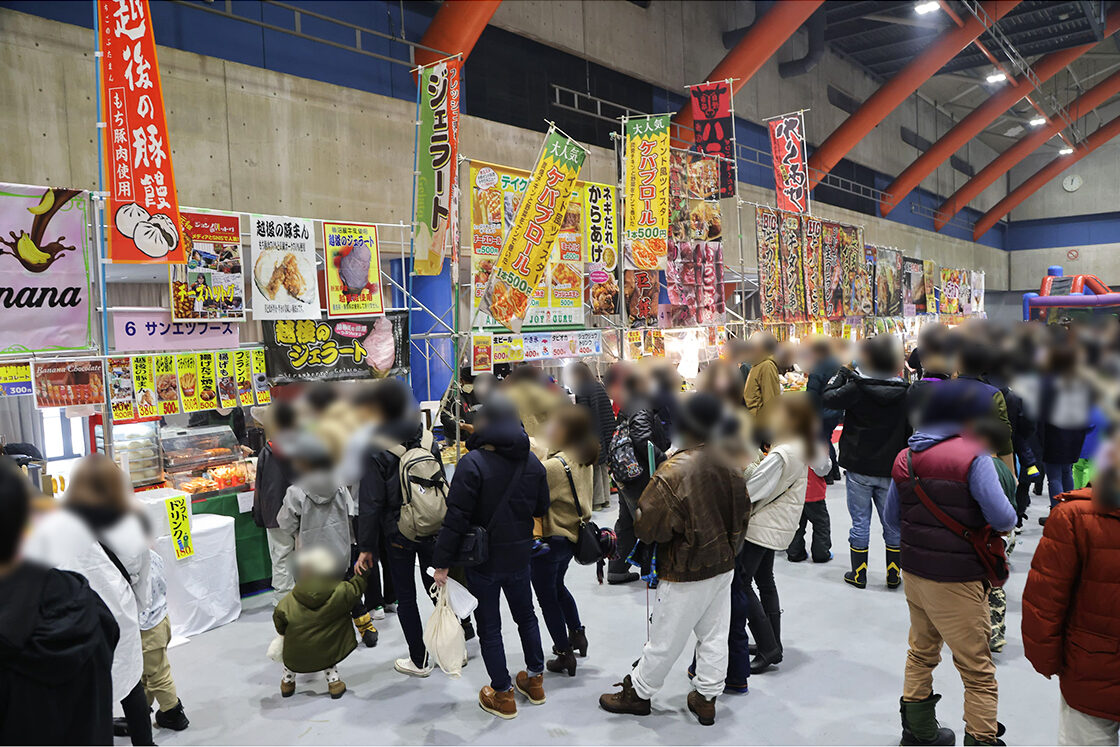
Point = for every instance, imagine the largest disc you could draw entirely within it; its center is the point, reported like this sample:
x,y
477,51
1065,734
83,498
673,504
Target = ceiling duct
x,y
816,27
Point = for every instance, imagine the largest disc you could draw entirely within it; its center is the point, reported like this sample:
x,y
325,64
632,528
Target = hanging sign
x,y
977,291
642,288
791,173
186,370
437,166
211,285
482,353
243,374
353,269
154,330
646,194
261,387
285,284
144,387
812,257
602,248
769,264
540,216
179,522
15,379
507,349
308,350
45,266
62,383
793,273
167,384
888,282
227,379
713,125
913,287
143,205
122,400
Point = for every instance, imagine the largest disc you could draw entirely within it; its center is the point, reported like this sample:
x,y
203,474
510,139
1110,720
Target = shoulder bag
x,y
588,550
474,546
988,545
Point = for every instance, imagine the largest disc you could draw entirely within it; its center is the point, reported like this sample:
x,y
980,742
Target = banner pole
x,y
412,212
101,238
738,212
620,270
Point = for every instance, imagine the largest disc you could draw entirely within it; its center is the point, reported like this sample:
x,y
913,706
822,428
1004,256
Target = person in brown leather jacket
x,y
696,509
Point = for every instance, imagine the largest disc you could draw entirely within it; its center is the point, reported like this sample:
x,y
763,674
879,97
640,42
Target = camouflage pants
x,y
997,603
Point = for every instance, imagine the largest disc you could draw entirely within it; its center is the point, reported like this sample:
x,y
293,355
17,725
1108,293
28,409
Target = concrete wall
x,y
673,43
1028,267
249,139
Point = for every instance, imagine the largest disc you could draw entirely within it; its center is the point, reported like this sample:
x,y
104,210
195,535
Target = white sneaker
x,y
406,666
390,608
377,613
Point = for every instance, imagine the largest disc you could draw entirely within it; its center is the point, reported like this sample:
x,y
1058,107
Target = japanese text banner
x,y
143,205
363,348
437,169
646,217
524,256
712,125
791,173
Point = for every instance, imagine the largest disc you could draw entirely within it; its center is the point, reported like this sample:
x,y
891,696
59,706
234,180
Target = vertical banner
x,y
227,379
888,282
833,236
791,173
45,269
932,281
870,255
243,372
950,291
793,273
211,285
647,192
858,292
122,402
143,206
913,287
812,259
978,292
167,384
261,386
769,264
179,522
642,288
713,128
521,264
286,285
437,166
353,269
144,386
482,353
602,247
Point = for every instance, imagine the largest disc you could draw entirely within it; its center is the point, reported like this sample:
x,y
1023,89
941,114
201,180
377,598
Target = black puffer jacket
x,y
56,655
875,420
483,478
645,428
379,491
274,477
593,395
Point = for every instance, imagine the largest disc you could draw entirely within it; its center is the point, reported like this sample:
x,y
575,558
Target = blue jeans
x,y
402,553
487,589
558,606
863,491
1059,479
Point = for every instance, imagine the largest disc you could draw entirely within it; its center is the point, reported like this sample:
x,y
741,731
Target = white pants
x,y
1077,728
281,545
682,608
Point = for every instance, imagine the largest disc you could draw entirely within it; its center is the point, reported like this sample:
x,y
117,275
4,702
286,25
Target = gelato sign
x,y
309,350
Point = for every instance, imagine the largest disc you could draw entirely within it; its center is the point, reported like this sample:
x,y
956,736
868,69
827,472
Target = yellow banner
x,y
646,218
167,384
243,366
260,378
179,520
186,366
525,253
227,379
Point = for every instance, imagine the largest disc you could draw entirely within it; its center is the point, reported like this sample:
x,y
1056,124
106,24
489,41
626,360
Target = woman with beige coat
x,y
572,450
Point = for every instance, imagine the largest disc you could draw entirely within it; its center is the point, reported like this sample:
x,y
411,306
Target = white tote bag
x,y
443,635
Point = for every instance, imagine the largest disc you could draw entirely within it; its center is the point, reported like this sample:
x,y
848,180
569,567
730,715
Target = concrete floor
x,y
839,683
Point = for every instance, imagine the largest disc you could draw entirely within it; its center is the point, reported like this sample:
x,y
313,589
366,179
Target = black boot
x,y
120,727
919,723
577,637
894,570
173,718
1000,731
776,626
565,661
857,577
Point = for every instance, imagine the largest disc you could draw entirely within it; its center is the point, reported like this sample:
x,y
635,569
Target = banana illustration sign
x,y
44,269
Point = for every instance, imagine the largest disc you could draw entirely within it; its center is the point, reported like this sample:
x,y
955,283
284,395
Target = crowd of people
x,y
945,447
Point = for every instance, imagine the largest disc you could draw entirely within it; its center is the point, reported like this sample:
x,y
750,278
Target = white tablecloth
x,y
202,590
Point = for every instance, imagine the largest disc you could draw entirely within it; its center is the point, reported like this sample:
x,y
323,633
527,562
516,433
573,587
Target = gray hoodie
x,y
318,511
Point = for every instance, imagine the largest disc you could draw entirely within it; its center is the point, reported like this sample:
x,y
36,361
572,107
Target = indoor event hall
x,y
559,372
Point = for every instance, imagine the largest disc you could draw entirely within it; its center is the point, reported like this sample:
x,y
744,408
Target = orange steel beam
x,y
1016,196
758,45
897,89
982,116
1026,145
456,28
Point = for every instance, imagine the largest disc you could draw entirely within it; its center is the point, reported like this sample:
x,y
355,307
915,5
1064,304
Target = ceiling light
x,y
927,7
997,78
1065,151
1038,121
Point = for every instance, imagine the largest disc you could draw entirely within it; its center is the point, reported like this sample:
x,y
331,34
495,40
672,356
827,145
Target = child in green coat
x,y
314,621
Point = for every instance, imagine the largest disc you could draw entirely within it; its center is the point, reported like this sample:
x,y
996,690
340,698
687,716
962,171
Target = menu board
x,y
186,368
15,379
211,285
353,269
261,387
482,348
227,379
488,349
243,373
167,384
285,284
122,401
63,383
144,386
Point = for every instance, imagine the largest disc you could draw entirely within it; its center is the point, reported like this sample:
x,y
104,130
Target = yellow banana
x,y
45,204
33,254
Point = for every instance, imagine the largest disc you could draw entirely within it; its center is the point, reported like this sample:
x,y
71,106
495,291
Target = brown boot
x,y
287,689
336,689
704,709
501,704
626,701
531,687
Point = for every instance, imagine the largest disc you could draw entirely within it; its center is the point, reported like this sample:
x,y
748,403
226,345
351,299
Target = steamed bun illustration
x,y
128,216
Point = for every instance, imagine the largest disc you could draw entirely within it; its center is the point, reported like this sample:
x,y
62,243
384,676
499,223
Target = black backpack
x,y
622,460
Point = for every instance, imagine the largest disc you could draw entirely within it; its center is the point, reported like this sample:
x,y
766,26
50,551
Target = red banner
x,y
713,126
791,174
143,212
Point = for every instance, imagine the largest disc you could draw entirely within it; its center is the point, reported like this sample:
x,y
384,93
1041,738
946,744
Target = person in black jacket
x,y
56,641
593,395
645,429
274,477
379,508
823,367
501,486
876,427
937,353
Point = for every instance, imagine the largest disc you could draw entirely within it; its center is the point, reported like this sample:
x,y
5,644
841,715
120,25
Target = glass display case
x,y
136,448
205,461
